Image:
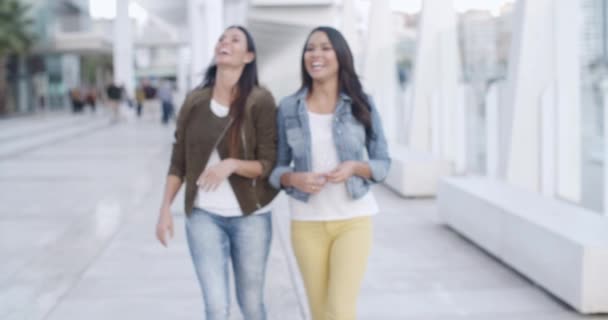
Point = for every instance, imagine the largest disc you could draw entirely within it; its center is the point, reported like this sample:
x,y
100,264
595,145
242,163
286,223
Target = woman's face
x,y
320,58
231,49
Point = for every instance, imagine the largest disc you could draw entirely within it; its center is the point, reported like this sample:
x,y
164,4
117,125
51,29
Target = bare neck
x,y
226,80
323,97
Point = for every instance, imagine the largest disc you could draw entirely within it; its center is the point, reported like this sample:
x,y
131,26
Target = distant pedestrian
x,y
140,98
115,96
165,94
76,98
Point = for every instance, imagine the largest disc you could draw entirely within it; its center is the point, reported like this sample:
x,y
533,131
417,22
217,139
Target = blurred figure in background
x,y
91,98
165,94
140,97
76,98
114,93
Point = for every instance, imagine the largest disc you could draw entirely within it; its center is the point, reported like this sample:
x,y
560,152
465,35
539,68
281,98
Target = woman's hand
x,y
164,225
342,172
309,182
212,176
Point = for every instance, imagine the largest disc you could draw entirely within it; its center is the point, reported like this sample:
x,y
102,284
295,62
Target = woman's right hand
x,y
164,226
309,182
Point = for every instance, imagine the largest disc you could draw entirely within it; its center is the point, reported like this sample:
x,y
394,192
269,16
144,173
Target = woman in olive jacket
x,y
224,150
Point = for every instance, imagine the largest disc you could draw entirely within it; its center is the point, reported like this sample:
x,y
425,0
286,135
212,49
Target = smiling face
x,y
320,58
232,49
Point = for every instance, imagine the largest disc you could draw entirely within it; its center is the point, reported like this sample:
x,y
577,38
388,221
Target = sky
x,y
106,9
460,5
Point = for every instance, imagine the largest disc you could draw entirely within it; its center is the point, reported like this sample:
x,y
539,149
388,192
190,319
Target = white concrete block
x,y
415,173
560,246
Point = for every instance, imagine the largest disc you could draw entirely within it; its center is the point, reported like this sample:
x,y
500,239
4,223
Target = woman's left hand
x,y
342,172
212,176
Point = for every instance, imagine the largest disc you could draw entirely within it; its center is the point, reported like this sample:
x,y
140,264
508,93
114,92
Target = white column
x,y
206,24
568,34
545,48
235,12
214,26
460,131
604,85
183,56
380,74
548,141
492,131
347,23
406,107
435,123
197,49
436,68
123,48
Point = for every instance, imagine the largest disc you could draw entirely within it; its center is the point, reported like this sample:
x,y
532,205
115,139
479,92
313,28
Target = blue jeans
x,y
167,111
213,241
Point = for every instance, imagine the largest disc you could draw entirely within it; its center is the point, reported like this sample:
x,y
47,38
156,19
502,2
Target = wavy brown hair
x,y
242,90
348,81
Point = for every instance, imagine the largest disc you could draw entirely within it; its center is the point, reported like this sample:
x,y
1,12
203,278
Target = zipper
x,y
217,142
254,180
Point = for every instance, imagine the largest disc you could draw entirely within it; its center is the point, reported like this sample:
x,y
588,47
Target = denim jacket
x,y
350,137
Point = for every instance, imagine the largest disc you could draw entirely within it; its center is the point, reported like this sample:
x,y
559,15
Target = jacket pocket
x,y
295,139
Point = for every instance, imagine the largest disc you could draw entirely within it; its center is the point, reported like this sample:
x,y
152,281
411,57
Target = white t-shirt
x,y
333,201
222,201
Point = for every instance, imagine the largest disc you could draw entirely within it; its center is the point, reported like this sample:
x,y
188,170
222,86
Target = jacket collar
x,y
344,102
303,92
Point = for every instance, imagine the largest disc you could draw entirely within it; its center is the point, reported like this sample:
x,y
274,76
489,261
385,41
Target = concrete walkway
x,y
80,200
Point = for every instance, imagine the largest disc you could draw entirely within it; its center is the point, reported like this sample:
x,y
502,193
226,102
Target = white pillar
x,y
196,28
206,24
235,12
214,26
492,131
604,86
568,30
548,141
545,53
183,55
460,131
347,23
380,75
435,123
406,107
123,48
436,68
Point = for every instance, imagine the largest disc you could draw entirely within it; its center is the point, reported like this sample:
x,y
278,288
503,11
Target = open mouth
x,y
317,66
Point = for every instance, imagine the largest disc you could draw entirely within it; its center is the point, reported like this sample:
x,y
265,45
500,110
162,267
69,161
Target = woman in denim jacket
x,y
325,131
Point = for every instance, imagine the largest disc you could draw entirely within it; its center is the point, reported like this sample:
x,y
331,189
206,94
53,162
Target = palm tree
x,y
15,38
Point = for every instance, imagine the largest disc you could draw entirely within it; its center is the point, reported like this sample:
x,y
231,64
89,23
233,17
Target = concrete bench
x,y
414,173
559,246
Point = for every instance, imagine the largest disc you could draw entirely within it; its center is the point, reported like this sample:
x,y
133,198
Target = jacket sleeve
x,y
377,147
284,154
266,132
177,167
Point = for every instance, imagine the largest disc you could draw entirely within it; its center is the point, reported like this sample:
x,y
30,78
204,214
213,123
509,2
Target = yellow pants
x,y
332,256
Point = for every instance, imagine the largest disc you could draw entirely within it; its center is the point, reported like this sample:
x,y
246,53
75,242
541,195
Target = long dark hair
x,y
246,83
348,81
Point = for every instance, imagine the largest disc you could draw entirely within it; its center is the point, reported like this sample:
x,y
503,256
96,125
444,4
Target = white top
x,y
333,201
222,201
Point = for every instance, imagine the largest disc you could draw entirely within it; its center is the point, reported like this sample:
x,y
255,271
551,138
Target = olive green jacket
x,y
198,131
